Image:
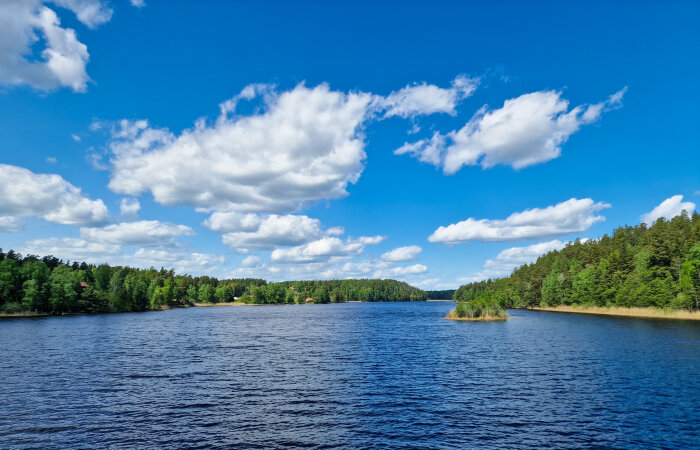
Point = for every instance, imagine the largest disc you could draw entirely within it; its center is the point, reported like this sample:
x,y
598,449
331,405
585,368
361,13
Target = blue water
x,y
349,375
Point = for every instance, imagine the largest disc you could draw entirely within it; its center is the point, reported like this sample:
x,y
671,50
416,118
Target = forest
x,y
336,291
440,295
49,285
637,266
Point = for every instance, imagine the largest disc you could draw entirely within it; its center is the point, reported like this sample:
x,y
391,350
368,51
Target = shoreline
x,y
25,314
619,311
477,319
198,304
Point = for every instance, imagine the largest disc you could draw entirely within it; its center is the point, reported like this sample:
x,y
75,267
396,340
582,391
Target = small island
x,y
478,310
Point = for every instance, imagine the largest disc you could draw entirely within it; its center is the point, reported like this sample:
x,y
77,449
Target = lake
x,y
348,375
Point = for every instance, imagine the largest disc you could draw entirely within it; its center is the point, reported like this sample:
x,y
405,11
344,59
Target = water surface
x,y
351,375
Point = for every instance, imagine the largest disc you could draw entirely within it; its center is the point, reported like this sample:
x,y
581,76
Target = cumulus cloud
x,y
252,261
571,216
180,260
274,230
669,208
406,270
513,257
138,3
72,249
422,99
24,193
37,51
144,233
306,145
324,249
129,207
338,268
409,253
11,224
527,130
227,221
62,59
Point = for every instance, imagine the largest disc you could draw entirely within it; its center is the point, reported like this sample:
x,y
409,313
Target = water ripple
x,y
350,375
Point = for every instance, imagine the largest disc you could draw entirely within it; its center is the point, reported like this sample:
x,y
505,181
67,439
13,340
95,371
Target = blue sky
x,y
472,137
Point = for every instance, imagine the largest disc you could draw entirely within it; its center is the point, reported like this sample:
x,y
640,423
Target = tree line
x,y
50,285
636,266
445,294
336,291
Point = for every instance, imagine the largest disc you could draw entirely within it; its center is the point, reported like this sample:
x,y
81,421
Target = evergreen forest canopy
x,y
336,291
640,266
49,285
440,295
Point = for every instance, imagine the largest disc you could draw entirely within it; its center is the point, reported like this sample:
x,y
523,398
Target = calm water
x,y
353,375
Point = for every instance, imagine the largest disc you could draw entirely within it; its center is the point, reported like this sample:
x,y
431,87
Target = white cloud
x,y
402,271
181,261
368,268
431,151
227,221
24,193
409,253
62,59
138,3
571,216
668,209
527,130
305,146
423,99
335,231
358,269
75,137
11,224
72,249
513,257
144,233
427,283
252,262
90,12
51,160
272,231
324,249
129,207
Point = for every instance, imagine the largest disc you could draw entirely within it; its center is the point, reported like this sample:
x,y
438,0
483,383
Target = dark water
x,y
353,375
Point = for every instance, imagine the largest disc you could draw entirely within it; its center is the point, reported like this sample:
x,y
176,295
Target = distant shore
x,y
649,313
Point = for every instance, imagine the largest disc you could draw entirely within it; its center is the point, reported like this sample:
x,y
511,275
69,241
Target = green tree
x,y
553,287
206,293
192,293
102,275
118,297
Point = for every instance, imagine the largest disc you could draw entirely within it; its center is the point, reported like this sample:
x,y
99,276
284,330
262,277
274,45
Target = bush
x,y
479,307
